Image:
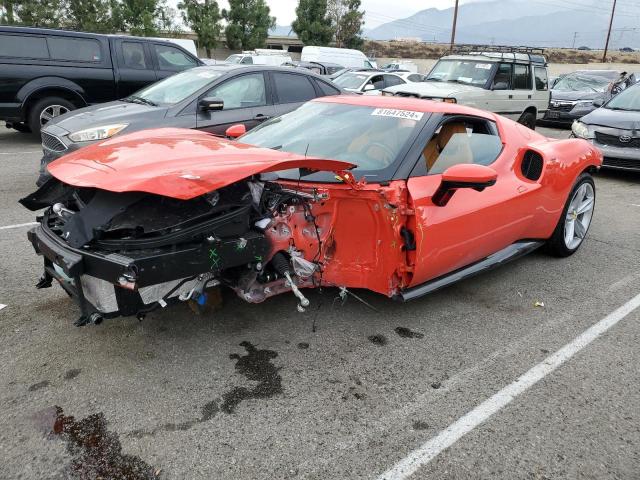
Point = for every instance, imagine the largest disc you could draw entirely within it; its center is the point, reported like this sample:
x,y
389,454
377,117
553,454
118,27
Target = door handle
x,y
261,117
529,97
510,97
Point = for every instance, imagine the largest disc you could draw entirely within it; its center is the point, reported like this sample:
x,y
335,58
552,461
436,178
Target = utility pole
x,y
575,34
453,29
606,45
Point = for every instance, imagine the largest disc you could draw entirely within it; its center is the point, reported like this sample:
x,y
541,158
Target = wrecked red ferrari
x,y
399,196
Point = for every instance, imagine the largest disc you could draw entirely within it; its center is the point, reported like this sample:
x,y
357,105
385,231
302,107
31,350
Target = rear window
x,y
23,46
542,82
74,49
293,88
327,89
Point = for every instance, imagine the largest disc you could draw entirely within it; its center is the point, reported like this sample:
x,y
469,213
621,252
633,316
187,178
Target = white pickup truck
x,y
510,83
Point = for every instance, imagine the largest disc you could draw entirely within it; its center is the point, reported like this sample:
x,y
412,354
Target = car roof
x,y
405,103
234,67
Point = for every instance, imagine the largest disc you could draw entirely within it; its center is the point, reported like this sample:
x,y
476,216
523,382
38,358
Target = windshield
x,y
176,88
470,72
628,99
234,58
581,83
372,138
351,80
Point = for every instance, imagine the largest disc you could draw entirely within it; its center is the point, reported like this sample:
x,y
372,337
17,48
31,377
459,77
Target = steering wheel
x,y
385,149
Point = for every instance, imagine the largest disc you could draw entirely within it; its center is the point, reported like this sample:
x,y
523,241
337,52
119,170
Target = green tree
x,y
38,13
312,25
91,16
146,18
347,20
6,12
248,24
204,19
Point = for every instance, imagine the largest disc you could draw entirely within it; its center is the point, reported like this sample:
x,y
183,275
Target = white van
x,y
342,56
260,57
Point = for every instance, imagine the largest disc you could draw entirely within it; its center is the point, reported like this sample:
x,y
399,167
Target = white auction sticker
x,y
483,66
392,112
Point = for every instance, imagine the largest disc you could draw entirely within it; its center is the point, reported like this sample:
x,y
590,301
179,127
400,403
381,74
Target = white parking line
x,y
432,448
18,225
20,153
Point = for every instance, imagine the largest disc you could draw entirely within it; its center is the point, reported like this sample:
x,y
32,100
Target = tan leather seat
x,y
436,145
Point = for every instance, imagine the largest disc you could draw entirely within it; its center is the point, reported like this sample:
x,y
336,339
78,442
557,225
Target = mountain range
x,y
518,22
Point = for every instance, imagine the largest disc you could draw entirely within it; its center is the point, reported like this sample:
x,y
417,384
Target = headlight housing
x,y
97,133
580,129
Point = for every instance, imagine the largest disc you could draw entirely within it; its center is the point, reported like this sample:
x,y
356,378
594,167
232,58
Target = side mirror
x,y
463,175
235,131
368,88
208,104
500,86
598,102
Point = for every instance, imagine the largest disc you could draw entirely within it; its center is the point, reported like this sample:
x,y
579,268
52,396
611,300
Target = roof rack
x,y
505,52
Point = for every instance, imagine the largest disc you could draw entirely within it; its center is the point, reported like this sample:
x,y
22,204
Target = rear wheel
x,y
528,119
575,220
45,110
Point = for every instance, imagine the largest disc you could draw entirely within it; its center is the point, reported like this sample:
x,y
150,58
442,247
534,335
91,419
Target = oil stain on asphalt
x,y
96,452
256,366
378,339
406,333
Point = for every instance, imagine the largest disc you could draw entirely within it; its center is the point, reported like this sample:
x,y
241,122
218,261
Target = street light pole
x,y
453,29
606,45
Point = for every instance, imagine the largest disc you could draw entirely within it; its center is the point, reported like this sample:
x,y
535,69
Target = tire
x,y
49,107
528,119
566,240
21,127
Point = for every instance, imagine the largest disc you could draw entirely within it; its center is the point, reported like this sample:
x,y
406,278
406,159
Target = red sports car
x,y
396,195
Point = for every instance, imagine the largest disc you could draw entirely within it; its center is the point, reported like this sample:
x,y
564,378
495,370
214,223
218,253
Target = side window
x,y
391,80
74,49
247,61
133,54
241,92
521,77
542,81
292,88
171,58
23,46
502,80
461,140
327,89
377,81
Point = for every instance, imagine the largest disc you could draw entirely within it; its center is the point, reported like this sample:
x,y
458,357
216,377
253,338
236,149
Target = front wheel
x,y
46,110
528,119
575,219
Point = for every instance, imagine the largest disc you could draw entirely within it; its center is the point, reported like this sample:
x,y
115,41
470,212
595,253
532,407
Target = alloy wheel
x,y
579,216
51,112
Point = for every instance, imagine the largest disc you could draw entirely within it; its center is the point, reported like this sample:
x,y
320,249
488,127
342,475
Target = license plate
x,y
551,114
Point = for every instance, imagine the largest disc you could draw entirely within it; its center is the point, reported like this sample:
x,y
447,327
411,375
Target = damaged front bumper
x,y
107,284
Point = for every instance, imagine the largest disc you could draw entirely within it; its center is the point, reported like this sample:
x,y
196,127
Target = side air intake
x,y
532,165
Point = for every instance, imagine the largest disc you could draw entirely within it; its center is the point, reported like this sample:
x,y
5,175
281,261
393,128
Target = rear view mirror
x,y
500,86
208,104
368,88
463,175
598,102
235,131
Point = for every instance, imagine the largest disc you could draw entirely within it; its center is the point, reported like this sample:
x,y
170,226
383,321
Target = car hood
x,y
606,117
175,162
434,89
107,114
575,95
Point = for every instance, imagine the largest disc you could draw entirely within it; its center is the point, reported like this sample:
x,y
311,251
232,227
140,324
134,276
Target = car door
x,y
169,60
291,90
246,100
522,87
135,68
473,224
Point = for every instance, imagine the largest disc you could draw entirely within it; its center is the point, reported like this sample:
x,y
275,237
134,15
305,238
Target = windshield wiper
x,y
140,100
434,79
277,147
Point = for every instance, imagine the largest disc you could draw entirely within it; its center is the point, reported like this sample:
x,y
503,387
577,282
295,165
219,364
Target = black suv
x,y
45,73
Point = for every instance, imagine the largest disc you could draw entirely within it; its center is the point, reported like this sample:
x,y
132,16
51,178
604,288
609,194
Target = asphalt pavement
x,y
261,391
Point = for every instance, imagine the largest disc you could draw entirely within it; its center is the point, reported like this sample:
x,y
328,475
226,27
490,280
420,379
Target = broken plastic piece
x,y
263,223
538,304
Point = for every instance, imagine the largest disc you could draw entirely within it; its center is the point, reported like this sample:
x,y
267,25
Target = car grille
x,y
561,107
614,141
51,142
621,163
